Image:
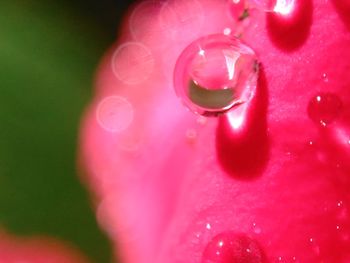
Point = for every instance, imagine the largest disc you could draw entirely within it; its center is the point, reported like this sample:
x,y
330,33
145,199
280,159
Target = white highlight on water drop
x,y
115,114
133,63
284,7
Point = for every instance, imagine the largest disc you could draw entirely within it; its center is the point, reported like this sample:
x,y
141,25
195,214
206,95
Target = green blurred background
x,y
49,50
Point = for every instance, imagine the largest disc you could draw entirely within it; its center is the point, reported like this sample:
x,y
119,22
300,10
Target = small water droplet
x,y
256,229
324,108
114,114
215,74
229,247
325,77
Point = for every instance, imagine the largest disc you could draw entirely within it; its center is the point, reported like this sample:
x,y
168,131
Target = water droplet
x,y
132,63
324,108
325,77
256,229
229,247
114,114
215,73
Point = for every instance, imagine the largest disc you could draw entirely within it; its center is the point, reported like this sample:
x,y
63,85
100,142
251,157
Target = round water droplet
x,y
325,77
114,114
324,108
215,73
132,63
229,247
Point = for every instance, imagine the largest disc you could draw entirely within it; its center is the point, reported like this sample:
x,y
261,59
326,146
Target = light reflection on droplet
x,y
256,229
114,114
284,7
132,63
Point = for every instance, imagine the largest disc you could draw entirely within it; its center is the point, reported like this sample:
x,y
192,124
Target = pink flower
x,y
266,182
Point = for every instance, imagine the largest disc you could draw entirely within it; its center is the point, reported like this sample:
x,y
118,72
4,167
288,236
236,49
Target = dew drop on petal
x,y
114,114
132,63
229,247
324,108
215,73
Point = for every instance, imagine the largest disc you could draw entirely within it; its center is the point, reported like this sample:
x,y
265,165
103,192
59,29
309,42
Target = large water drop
x,y
215,74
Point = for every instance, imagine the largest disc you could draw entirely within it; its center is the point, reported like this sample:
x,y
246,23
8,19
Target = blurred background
x,y
49,50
